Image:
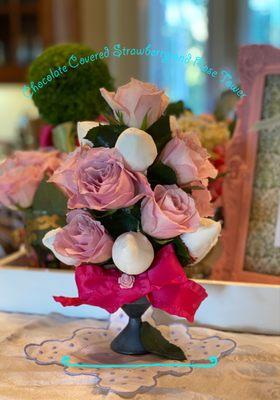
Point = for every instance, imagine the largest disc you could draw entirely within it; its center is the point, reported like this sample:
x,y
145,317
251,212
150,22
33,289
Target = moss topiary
x,y
74,95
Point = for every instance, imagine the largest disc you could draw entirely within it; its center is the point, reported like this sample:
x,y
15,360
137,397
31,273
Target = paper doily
x,y
92,346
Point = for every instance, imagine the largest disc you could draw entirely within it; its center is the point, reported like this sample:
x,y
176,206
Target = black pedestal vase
x,y
128,340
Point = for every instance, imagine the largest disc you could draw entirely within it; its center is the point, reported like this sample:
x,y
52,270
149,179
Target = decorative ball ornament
x,y
132,253
200,242
137,148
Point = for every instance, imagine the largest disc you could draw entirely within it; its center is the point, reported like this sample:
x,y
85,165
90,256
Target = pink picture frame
x,y
255,63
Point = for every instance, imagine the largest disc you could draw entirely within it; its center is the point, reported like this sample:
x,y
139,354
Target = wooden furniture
x,y
29,26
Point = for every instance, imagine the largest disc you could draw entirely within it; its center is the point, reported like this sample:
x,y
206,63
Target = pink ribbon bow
x,y
164,283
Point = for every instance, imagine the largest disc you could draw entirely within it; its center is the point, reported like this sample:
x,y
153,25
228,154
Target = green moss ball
x,y
73,95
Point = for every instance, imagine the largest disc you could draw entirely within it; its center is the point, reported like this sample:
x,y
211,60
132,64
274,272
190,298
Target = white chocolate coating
x,y
137,148
132,253
200,242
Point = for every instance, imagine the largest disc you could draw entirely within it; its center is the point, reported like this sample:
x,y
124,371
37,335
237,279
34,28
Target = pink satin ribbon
x,y
164,283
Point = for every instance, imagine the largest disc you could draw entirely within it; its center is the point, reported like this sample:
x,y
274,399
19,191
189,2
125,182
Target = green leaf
x,y
102,214
105,135
161,132
123,220
176,108
155,343
162,174
220,175
64,137
50,199
144,122
48,212
194,187
180,248
111,118
182,252
162,242
189,189
120,117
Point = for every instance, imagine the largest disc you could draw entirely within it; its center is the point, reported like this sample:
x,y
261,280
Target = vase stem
x,y
129,341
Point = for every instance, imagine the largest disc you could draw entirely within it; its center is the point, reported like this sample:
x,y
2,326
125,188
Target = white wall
x,y
13,105
109,22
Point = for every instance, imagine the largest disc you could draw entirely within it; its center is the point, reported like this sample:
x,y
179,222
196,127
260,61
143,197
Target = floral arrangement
x,y
21,174
23,187
138,207
214,135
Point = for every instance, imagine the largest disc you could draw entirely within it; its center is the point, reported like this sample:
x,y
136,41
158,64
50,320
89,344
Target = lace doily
x,y
92,346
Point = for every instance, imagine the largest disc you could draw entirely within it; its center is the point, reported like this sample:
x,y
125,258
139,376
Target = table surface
x,y
31,347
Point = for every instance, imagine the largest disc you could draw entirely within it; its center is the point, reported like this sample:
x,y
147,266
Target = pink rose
x,y
82,240
46,160
126,281
188,159
169,213
202,199
135,102
177,156
21,174
97,178
200,157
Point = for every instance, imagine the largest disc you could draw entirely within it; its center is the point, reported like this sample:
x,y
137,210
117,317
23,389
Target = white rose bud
x,y
132,253
82,128
137,148
200,242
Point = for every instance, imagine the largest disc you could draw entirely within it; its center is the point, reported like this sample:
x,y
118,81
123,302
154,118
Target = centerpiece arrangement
x,y
23,175
138,214
214,136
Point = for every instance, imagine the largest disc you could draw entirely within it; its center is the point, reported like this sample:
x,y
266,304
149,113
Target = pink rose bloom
x,y
21,174
188,159
200,157
126,281
46,160
169,213
202,199
97,178
82,240
135,102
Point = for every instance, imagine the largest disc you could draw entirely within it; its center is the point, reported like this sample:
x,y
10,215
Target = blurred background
x,y
213,29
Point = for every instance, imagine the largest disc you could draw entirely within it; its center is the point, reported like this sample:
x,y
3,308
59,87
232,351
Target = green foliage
x,y
75,95
161,132
155,343
180,248
50,199
105,135
182,252
48,211
162,174
120,221
177,108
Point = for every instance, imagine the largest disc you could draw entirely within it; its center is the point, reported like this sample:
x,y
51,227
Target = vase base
x,y
128,342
